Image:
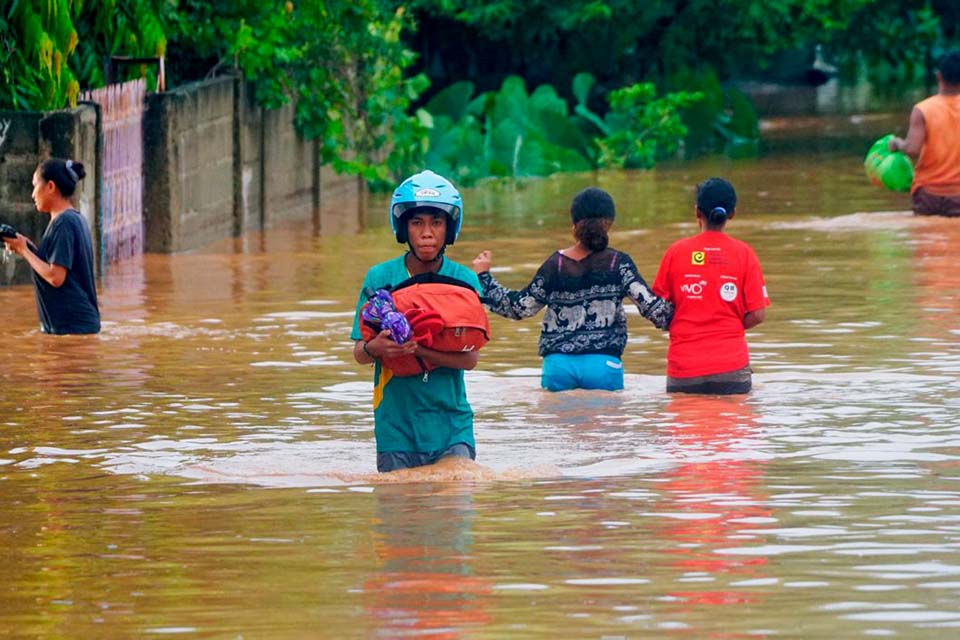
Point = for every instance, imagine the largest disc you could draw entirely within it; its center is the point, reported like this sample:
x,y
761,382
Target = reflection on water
x,y
183,472
424,583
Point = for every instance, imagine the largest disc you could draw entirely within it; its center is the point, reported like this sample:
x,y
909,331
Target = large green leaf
x,y
452,101
510,103
582,83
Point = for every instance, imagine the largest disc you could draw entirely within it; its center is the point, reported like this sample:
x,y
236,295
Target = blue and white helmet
x,y
426,190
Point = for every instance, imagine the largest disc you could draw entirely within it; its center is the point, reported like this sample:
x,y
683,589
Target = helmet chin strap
x,y
438,257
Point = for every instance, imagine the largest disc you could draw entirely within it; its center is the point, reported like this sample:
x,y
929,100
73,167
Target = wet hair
x,y
949,66
63,173
592,233
716,201
592,203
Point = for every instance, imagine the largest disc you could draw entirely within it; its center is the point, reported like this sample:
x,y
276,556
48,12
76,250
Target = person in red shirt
x,y
716,286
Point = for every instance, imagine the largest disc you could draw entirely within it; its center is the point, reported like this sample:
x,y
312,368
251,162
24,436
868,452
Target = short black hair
x,y
592,203
949,66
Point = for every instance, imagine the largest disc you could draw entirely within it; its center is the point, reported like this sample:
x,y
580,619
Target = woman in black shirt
x,y
63,263
584,329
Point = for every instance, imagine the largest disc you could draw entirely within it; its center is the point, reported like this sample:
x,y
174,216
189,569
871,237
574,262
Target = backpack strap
x,y
431,278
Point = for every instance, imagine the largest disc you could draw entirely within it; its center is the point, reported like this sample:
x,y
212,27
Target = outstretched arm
x,y
651,306
507,302
916,135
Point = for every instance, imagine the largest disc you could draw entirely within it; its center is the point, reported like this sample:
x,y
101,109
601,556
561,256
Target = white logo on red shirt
x,y
728,291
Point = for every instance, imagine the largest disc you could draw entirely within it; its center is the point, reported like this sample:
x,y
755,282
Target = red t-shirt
x,y
713,280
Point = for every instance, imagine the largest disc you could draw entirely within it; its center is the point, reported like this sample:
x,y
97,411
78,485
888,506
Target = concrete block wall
x,y
342,203
249,175
26,139
188,180
290,169
216,165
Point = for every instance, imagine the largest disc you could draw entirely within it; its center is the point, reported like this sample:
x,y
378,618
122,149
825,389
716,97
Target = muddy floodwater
x,y
181,473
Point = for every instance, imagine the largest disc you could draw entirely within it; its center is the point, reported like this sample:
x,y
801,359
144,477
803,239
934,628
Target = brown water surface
x,y
177,474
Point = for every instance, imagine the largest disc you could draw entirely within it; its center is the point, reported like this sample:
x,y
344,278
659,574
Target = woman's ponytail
x,y
592,212
717,216
592,233
716,202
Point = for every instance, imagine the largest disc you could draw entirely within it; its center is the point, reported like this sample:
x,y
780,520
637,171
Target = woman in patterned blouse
x,y
584,329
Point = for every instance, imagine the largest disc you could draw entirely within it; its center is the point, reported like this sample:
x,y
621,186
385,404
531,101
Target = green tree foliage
x,y
895,38
107,28
643,127
513,133
50,48
505,133
341,62
724,120
37,39
624,41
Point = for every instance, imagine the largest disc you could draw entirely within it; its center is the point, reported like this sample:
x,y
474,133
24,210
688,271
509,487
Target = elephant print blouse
x,y
584,301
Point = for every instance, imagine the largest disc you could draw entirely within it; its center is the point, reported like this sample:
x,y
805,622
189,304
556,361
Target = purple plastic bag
x,y
382,312
378,305
399,328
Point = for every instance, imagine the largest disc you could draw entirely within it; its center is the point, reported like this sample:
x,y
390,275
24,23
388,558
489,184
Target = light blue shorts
x,y
562,372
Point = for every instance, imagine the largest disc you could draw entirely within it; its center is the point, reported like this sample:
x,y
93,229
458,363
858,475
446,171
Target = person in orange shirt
x,y
933,142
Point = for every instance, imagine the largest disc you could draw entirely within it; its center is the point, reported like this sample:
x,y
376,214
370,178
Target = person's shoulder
x,y
737,242
679,244
741,246
937,102
387,272
553,260
65,218
460,272
69,220
614,257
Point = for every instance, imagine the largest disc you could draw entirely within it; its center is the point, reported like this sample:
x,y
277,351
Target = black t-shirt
x,y
71,307
584,301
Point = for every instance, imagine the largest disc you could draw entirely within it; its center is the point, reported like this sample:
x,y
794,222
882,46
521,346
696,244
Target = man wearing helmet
x,y
419,419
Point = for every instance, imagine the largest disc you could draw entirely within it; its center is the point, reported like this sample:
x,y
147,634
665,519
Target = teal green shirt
x,y
412,414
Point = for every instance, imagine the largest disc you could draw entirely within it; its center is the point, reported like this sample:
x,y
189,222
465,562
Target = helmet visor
x,y
402,208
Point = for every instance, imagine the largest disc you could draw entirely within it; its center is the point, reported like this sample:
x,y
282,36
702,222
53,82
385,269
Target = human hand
x,y
482,262
18,245
383,346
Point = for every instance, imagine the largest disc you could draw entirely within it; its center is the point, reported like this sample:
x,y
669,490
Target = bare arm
x,y
54,274
753,318
449,359
916,135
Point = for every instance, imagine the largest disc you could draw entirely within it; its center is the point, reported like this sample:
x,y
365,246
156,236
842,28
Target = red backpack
x,y
444,313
